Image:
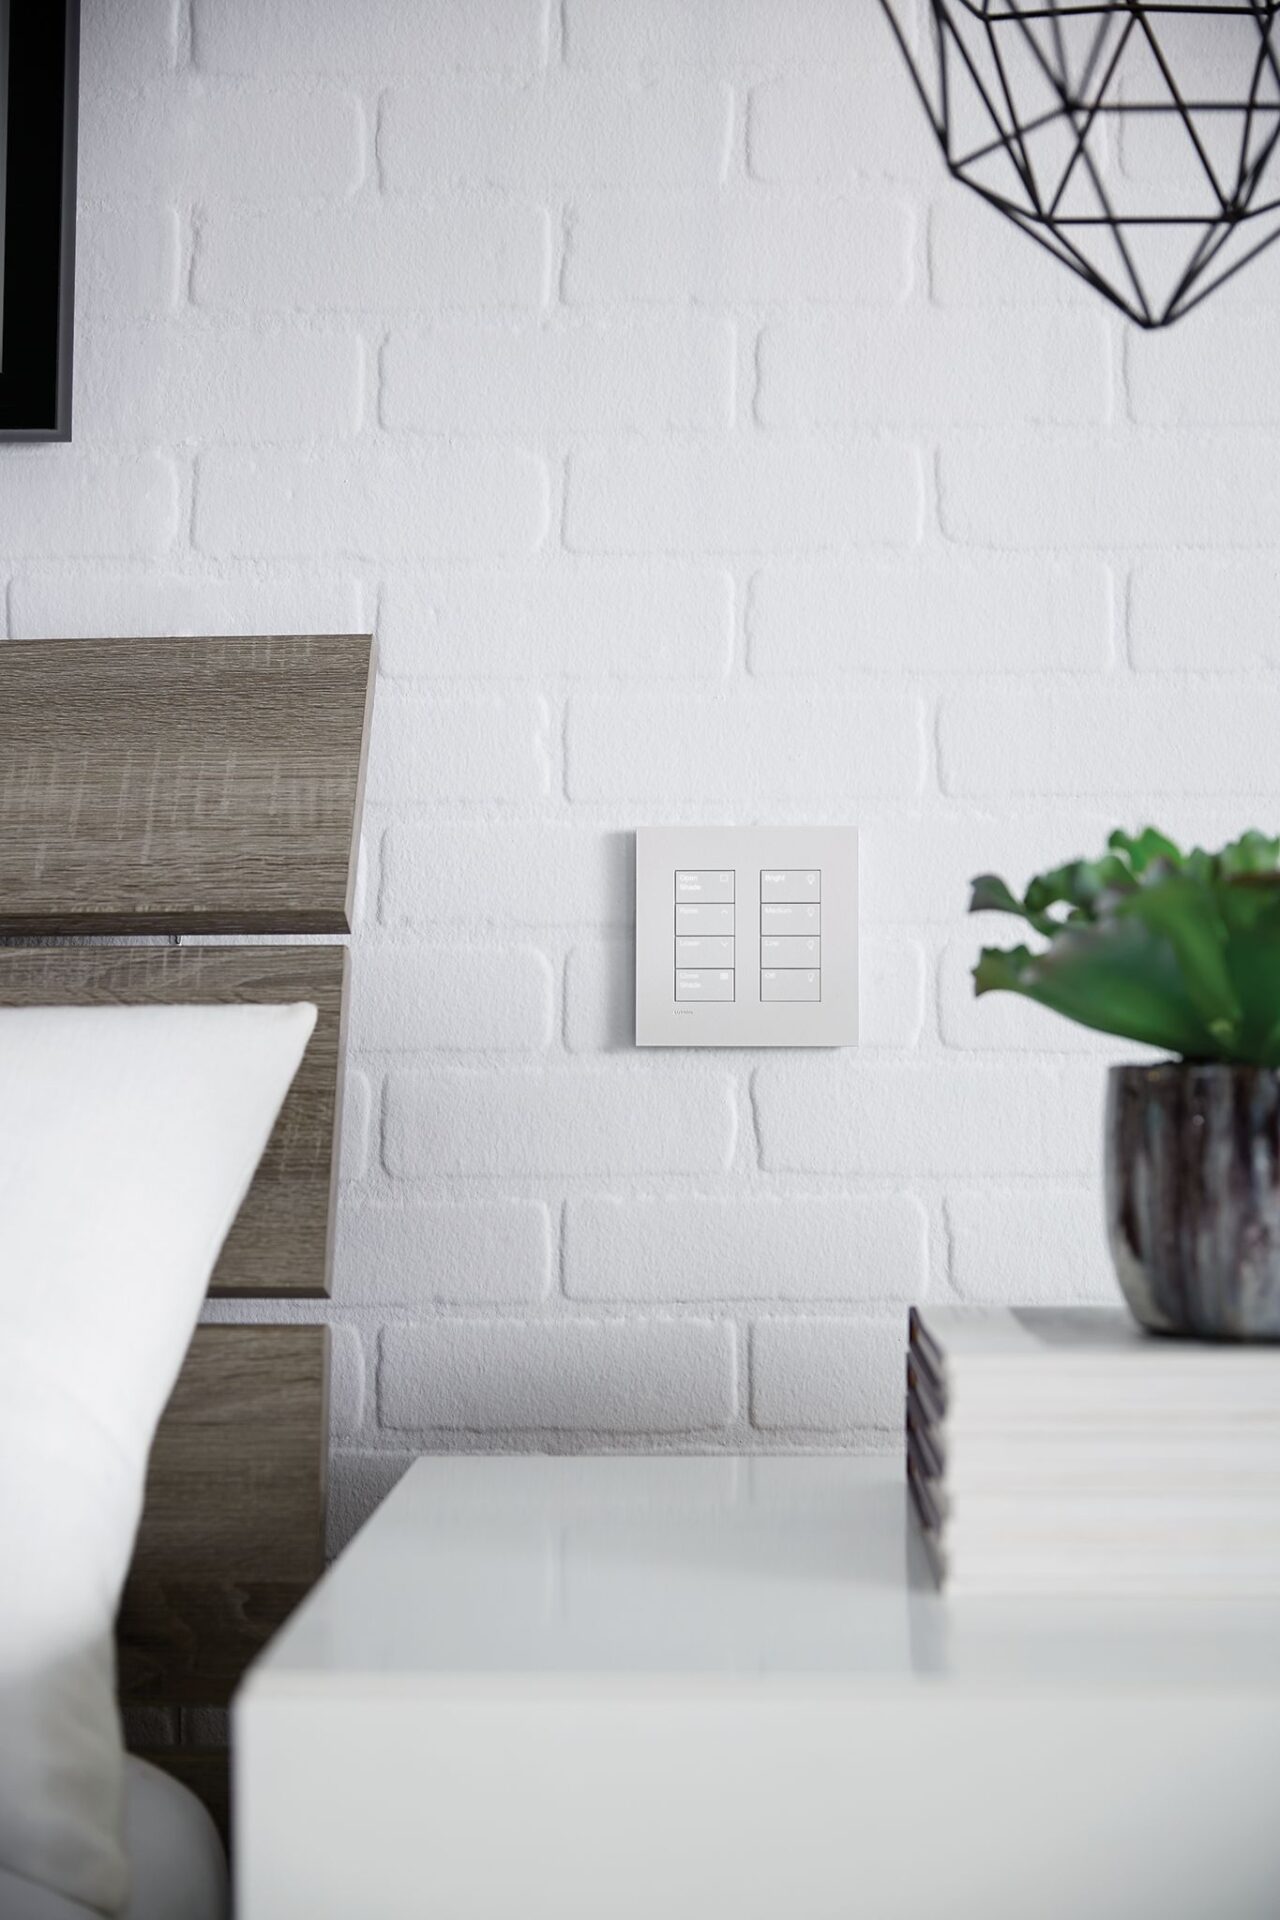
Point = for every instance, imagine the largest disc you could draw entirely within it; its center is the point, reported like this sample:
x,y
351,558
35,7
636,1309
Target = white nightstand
x,y
717,1689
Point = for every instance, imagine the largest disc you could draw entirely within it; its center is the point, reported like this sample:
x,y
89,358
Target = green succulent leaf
x,y
1001,969
1250,908
1082,884
1252,854
1141,849
1121,983
1185,912
1177,950
990,894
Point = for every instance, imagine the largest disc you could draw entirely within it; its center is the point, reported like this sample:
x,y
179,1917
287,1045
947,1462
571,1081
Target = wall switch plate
x,y
746,936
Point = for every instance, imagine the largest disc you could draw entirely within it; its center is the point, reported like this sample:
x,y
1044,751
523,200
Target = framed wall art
x,y
39,70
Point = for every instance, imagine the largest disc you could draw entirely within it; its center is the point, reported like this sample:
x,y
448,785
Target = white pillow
x,y
128,1138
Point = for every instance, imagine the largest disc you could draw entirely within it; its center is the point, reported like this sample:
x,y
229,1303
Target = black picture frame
x,y
39,93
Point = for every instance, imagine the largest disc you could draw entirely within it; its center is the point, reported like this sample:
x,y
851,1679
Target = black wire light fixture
x,y
1134,141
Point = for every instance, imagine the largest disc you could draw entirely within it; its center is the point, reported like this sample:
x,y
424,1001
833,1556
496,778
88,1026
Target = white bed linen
x,y
128,1138
179,1868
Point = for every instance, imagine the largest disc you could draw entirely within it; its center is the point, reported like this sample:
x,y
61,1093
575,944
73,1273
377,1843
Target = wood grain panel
x,y
232,1534
280,1241
181,786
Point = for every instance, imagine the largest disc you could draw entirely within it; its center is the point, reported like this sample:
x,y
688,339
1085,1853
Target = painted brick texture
x,y
698,452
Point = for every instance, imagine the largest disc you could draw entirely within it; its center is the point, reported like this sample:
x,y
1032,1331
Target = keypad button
x,y
791,883
705,888
704,919
791,953
704,953
704,983
787,920
790,983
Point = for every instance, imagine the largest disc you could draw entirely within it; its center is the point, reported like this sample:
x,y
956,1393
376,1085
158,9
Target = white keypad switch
x,y
702,919
790,983
789,920
705,887
790,953
746,936
707,953
791,884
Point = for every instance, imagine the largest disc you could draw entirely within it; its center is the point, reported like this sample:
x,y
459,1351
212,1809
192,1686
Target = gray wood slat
x,y
232,1535
181,786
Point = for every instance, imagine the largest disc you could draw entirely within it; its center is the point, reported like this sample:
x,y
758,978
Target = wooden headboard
x,y
195,788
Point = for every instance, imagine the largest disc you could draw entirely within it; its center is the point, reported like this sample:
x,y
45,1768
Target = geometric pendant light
x,y
1134,141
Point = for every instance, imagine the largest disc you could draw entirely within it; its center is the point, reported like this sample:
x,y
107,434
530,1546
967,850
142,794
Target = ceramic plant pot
x,y
1193,1198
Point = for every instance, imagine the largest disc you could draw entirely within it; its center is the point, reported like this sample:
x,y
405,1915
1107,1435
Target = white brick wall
x,y
738,248
868,1248
1021,1244
916,1119
140,384
127,259
86,505
825,619
592,376
374,501
397,256
598,620
682,748
576,1376
741,497
574,131
379,40
458,746
227,143
453,1251
880,369
620,1120
409,999
700,452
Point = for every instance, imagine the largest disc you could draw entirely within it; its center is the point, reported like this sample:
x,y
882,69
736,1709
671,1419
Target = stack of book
x,y
1065,1451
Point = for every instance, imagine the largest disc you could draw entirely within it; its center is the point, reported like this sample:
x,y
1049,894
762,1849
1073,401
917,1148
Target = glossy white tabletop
x,y
741,1569
567,1687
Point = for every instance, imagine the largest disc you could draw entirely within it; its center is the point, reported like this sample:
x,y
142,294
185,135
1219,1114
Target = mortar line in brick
x,y
378,173
740,1372
190,226
558,472
560,1250
188,473
948,1244
734,167
739,671
1124,653
749,1377
936,756
379,1122
755,1120
1126,408
377,417
566,947
757,379
930,723
563,735
379,1354
564,244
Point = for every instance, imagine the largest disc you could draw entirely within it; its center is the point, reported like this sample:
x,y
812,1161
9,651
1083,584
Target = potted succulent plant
x,y
1180,951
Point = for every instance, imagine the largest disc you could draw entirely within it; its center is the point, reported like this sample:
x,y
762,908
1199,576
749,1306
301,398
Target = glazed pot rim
x,y
1161,1069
